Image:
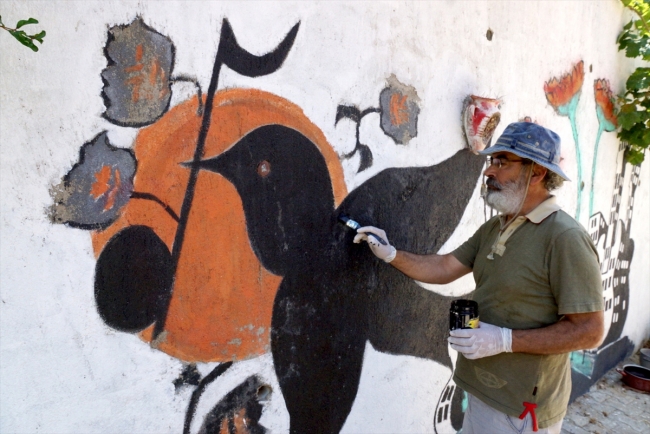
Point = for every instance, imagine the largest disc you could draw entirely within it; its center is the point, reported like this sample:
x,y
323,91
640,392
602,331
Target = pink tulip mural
x,y
610,231
563,94
606,122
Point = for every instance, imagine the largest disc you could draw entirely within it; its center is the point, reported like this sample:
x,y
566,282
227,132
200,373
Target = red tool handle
x,y
530,408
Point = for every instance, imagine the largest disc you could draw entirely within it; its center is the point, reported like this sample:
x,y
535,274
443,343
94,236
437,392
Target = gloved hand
x,y
485,341
384,252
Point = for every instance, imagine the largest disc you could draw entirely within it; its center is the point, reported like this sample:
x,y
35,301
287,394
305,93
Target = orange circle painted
x,y
223,298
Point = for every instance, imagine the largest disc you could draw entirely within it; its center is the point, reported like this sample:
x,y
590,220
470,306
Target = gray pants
x,y
480,418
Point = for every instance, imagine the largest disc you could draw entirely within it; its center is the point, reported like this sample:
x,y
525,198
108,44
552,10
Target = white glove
x,y
384,252
485,341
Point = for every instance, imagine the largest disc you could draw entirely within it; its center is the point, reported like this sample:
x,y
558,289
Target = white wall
x,y
63,370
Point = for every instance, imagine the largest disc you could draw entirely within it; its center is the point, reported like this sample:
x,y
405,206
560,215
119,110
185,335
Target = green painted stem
x,y
574,127
601,128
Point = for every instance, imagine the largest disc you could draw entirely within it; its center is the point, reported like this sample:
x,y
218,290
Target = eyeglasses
x,y
499,162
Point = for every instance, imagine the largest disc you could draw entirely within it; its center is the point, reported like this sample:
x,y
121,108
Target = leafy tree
x,y
634,112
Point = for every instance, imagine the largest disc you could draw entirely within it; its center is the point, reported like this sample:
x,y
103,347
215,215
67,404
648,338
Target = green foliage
x,y
21,36
634,104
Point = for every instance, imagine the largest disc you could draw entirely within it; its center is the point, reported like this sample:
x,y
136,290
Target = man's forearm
x,y
438,269
573,332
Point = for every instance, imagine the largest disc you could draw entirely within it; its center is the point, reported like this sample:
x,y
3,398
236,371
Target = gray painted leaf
x,y
137,86
399,111
95,190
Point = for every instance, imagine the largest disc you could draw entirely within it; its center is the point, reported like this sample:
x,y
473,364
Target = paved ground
x,y
610,407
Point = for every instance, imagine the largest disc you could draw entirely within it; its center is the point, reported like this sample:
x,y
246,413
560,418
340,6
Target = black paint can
x,y
463,314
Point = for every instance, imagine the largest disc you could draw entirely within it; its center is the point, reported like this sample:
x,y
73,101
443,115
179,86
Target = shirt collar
x,y
543,210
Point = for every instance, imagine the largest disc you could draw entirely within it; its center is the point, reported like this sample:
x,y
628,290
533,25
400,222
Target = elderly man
x,y
537,286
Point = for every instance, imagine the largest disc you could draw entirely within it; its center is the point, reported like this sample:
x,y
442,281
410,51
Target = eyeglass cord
x,y
504,227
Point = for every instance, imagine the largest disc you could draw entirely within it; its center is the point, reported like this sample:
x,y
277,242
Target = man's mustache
x,y
491,182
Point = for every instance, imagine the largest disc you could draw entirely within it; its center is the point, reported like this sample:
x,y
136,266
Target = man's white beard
x,y
510,196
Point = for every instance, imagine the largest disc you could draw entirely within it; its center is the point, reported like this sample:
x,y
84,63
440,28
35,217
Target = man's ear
x,y
539,172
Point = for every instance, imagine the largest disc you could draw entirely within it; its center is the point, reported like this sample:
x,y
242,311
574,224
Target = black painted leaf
x,y
133,279
137,86
346,111
365,157
95,190
250,65
190,376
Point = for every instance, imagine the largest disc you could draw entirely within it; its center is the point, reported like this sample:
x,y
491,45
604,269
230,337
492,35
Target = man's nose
x,y
490,171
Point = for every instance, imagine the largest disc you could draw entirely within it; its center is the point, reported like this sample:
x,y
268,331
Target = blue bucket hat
x,y
531,141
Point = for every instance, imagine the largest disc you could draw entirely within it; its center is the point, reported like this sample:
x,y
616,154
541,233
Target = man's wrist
x,y
507,339
391,255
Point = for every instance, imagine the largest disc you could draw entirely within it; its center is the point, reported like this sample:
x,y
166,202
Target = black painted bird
x,y
335,295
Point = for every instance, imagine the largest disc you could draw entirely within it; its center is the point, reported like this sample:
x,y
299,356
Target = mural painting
x,y
217,237
610,232
398,109
224,244
564,94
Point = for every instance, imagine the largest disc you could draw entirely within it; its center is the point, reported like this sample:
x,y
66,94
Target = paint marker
x,y
347,221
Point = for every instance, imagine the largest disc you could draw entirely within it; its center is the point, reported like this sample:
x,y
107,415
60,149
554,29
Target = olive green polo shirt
x,y
544,266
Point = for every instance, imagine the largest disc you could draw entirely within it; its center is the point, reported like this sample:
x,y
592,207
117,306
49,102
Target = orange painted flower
x,y
605,104
399,108
563,93
137,85
96,188
103,186
399,113
102,183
